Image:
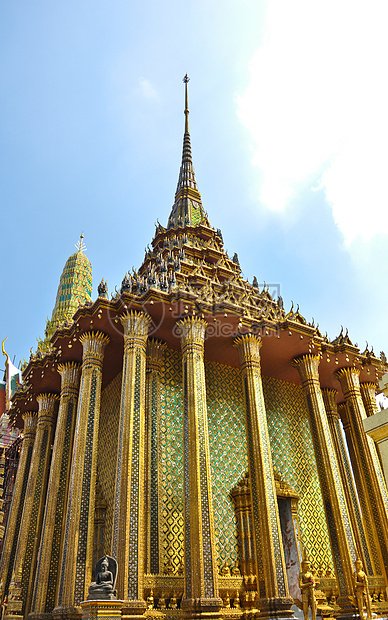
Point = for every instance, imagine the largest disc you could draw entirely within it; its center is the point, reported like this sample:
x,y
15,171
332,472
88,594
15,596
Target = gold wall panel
x,y
171,460
291,446
107,451
228,451
293,457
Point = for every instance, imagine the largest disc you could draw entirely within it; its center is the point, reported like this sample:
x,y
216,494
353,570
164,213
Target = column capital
x,y
248,346
70,372
343,413
47,404
192,332
348,376
368,393
370,385
329,396
155,354
30,420
308,367
94,344
135,324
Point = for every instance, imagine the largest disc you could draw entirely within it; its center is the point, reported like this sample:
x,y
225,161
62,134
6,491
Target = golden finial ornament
x,y
81,247
186,80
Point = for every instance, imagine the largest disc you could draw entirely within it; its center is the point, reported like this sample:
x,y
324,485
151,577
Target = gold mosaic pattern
x,y
107,451
292,454
228,450
294,459
171,438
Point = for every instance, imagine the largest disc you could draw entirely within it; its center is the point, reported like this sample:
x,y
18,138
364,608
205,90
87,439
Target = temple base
x,y
71,612
36,615
100,610
201,608
276,607
133,610
347,609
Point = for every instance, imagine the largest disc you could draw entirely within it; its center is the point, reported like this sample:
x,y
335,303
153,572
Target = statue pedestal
x,y
101,610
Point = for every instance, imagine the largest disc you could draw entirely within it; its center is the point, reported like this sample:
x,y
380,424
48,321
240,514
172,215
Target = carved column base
x,y
101,610
36,615
201,607
133,610
276,607
71,612
347,608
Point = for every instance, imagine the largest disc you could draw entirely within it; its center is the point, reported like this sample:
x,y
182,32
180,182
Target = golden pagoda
x,y
74,290
191,430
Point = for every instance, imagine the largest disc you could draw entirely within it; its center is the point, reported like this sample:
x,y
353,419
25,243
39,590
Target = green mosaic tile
x,y
107,451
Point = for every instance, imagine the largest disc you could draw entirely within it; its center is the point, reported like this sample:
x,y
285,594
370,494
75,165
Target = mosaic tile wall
x,y
171,459
228,450
107,451
294,459
291,445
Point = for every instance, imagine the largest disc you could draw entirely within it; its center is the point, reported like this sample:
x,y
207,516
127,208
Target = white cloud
x,y
147,90
316,107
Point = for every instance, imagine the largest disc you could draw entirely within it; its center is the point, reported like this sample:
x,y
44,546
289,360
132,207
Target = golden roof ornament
x,y
81,247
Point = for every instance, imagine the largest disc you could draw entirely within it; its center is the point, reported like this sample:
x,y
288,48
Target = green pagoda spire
x,y
187,209
74,290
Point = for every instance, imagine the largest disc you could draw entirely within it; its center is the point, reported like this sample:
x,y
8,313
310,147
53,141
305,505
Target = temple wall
x,y
291,444
228,451
293,457
107,451
171,459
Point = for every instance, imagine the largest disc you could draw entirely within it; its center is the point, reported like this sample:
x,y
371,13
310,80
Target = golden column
x,y
354,512
29,534
337,518
363,499
368,394
46,574
18,495
154,559
128,542
371,485
77,553
201,575
274,599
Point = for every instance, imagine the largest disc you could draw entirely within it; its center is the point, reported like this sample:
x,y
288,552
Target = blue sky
x,y
289,132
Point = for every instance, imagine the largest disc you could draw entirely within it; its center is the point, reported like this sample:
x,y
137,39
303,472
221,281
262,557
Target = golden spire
x,y
187,209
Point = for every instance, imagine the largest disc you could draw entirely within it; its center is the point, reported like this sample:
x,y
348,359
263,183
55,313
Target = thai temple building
x,y
200,436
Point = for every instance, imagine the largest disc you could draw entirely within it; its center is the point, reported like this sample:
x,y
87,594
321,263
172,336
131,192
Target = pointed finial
x,y
81,247
186,79
4,351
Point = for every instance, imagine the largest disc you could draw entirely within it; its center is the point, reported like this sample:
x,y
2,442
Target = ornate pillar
x,y
370,482
29,534
46,574
128,543
155,352
354,512
77,554
365,510
368,394
2,476
241,495
338,523
16,510
274,599
201,575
